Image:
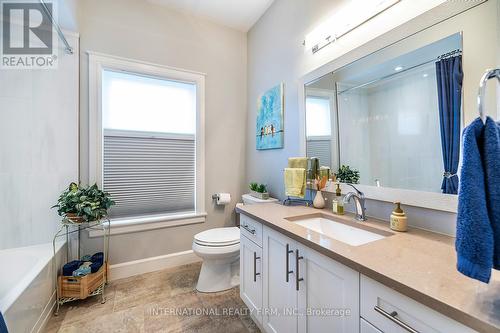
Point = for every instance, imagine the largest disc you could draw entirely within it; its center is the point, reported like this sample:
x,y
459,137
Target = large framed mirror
x,y
394,117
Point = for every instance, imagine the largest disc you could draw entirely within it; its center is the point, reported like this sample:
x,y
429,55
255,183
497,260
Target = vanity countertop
x,y
419,264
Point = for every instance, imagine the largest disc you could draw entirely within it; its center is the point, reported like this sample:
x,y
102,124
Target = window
x,y
318,129
318,116
149,138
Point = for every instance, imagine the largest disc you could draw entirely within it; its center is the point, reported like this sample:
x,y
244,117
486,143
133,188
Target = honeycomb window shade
x,y
148,173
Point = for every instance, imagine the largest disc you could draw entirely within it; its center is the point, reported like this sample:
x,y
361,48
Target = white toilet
x,y
220,250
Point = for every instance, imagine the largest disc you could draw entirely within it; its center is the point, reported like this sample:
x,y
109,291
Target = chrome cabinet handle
x,y
288,271
255,267
252,231
392,317
297,279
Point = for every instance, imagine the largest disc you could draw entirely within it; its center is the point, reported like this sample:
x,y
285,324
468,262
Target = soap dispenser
x,y
338,203
399,219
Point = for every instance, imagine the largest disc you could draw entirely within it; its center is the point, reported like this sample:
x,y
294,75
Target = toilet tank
x,y
250,200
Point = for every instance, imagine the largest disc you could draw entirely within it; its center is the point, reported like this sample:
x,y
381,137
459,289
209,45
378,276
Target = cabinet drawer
x,y
251,229
391,311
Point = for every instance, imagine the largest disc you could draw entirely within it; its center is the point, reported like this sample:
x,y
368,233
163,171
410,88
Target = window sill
x,y
130,225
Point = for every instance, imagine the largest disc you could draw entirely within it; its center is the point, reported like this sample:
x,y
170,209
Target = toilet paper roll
x,y
223,198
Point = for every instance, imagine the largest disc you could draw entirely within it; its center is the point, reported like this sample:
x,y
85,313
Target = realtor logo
x,y
28,39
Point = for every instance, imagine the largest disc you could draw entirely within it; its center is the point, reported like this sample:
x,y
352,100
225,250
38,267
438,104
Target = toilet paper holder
x,y
221,199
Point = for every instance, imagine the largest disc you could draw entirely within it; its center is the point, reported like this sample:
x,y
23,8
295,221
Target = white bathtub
x,y
27,286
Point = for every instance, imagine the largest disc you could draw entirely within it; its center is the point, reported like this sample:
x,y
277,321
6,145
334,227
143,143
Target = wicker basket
x,y
81,287
74,218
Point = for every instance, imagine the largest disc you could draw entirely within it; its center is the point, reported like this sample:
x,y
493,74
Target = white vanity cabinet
x,y
292,288
305,291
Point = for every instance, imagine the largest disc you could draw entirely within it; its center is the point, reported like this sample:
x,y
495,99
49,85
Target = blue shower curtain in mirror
x,y
449,83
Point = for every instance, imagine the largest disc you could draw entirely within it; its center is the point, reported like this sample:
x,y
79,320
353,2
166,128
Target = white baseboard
x,y
46,314
136,267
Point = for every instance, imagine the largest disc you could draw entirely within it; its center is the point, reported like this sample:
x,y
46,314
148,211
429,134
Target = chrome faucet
x,y
359,202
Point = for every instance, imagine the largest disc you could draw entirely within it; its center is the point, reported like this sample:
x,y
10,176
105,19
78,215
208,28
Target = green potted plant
x,y
259,191
347,175
83,204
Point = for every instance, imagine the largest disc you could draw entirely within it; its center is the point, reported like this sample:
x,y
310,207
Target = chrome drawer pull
x,y
392,317
288,271
252,231
255,267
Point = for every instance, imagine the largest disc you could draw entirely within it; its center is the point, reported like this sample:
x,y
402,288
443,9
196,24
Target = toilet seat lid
x,y
218,237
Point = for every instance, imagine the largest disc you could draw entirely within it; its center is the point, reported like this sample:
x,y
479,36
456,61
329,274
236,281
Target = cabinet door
x,y
280,296
328,294
251,276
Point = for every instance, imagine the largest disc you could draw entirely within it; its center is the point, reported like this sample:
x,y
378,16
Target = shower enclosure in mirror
x,y
395,117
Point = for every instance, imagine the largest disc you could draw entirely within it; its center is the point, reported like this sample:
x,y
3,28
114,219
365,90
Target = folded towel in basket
x,y
97,261
97,257
87,257
82,271
71,266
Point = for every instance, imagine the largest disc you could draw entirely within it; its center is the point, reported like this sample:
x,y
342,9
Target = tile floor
x,y
163,301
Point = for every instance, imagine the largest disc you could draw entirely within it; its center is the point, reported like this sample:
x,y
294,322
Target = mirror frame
x,y
430,200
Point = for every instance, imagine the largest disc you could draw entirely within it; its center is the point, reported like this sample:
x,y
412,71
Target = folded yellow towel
x,y
295,182
297,162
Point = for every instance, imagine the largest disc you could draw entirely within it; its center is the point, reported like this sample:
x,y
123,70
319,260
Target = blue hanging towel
x,y
491,158
3,326
474,243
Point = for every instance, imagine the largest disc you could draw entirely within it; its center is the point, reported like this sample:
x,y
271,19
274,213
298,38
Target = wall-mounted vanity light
x,y
354,14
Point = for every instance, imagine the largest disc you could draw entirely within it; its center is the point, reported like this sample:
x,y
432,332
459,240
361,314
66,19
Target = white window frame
x,y
99,62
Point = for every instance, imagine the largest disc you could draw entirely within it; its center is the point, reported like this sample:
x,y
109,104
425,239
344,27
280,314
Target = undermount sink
x,y
345,232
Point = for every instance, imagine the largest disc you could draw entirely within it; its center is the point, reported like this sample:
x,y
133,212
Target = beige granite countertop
x,y
418,263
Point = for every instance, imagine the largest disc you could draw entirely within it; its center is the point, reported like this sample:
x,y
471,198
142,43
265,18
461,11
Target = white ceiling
x,y
238,14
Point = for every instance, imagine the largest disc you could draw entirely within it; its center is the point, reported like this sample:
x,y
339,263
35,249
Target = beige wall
x,y
275,54
139,30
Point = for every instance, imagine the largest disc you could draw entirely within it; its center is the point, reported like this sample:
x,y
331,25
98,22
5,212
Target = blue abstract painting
x,y
269,125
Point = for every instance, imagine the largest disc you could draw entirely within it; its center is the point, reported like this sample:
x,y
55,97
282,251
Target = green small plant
x,y
259,188
254,186
262,188
87,203
346,175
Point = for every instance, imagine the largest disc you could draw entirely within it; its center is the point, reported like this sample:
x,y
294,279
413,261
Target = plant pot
x,y
319,201
72,217
263,196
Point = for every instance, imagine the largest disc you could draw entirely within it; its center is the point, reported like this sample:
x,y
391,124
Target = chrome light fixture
x,y
350,17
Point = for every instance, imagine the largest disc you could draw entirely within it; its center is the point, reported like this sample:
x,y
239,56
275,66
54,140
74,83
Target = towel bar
x,y
489,74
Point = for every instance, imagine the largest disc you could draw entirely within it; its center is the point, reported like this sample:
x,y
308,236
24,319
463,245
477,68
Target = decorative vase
x,y
319,201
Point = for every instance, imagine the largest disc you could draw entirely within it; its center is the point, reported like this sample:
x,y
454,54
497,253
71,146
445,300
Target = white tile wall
x,y
38,148
394,133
